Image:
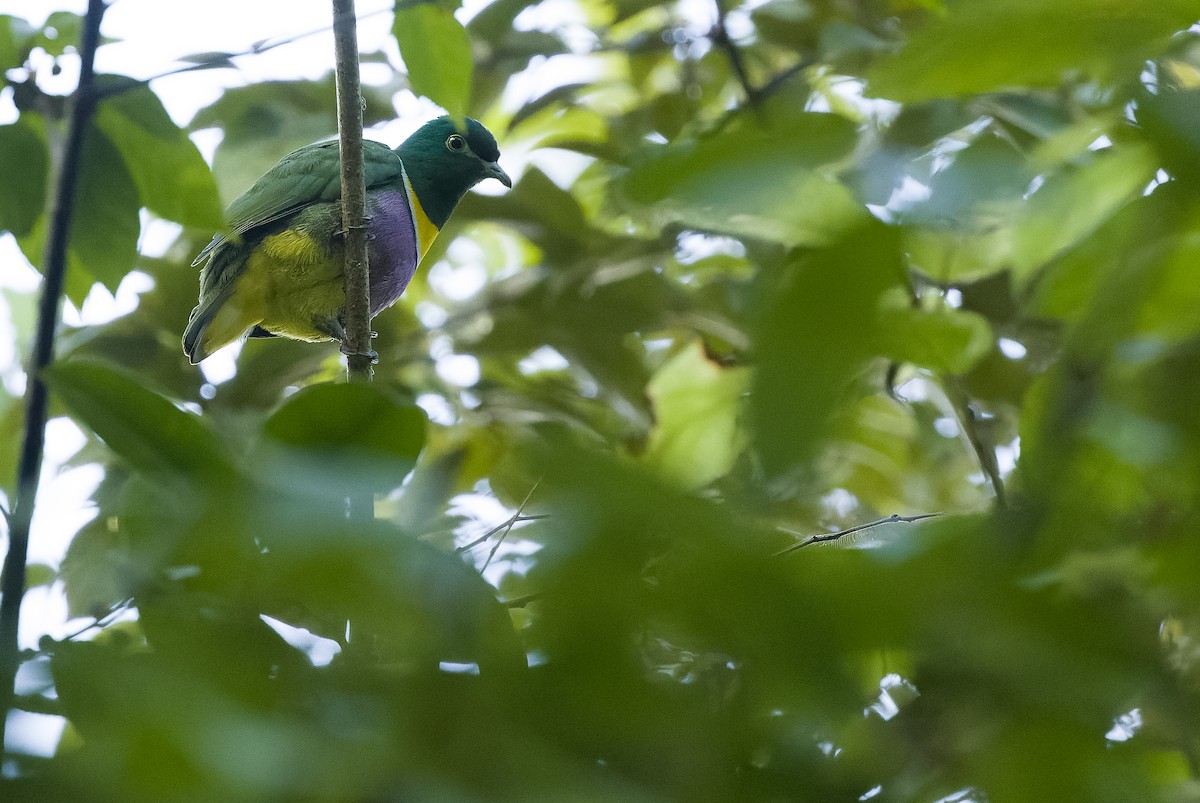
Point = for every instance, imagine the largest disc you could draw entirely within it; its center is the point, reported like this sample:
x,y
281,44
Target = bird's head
x,y
443,162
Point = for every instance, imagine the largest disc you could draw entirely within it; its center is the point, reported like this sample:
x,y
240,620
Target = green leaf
x,y
24,165
943,340
437,51
1071,204
15,34
762,177
172,178
138,424
104,227
984,45
349,432
819,330
697,407
62,30
419,603
1171,119
39,574
98,570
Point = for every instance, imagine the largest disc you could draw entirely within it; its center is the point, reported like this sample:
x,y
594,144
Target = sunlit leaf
x,y
138,424
993,44
172,178
437,52
697,407
943,340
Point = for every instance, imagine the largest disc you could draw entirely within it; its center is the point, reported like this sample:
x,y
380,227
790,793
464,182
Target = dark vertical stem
x,y
357,343
33,443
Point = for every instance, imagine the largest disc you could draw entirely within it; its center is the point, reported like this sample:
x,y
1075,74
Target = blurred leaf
x,y
1171,119
943,340
421,604
39,574
138,424
264,121
15,37
820,329
24,173
1074,202
172,178
991,44
106,224
349,433
437,51
60,31
753,178
98,570
697,409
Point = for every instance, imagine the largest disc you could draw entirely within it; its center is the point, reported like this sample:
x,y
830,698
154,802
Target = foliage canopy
x,y
821,262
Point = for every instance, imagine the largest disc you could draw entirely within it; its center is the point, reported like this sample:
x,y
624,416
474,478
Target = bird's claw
x,y
369,353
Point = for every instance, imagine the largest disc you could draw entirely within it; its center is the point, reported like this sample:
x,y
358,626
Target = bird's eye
x,y
455,143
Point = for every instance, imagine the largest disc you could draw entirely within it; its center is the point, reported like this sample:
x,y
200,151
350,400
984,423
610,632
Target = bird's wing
x,y
305,176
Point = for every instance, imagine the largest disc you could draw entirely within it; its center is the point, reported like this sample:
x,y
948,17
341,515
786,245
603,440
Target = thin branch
x,y
508,529
36,397
102,621
720,37
37,704
220,60
521,602
895,518
985,453
508,523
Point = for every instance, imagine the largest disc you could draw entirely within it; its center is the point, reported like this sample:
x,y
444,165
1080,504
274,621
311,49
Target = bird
x,y
278,270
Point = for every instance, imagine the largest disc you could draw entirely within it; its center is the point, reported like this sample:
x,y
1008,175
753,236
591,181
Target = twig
x,y
217,60
512,521
985,453
508,523
101,621
895,518
34,439
521,602
720,37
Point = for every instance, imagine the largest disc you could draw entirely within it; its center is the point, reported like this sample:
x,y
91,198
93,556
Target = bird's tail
x,y
215,322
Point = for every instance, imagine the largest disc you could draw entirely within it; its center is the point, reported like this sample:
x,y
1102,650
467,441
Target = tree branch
x,y
211,61
895,518
357,323
720,37
985,452
356,340
36,397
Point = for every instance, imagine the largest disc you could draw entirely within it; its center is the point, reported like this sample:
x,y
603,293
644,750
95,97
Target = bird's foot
x,y
364,227
370,354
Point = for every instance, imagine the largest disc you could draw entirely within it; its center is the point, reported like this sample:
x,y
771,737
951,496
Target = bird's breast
x,y
394,246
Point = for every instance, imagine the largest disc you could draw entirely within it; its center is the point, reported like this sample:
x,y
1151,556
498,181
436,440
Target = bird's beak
x,y
494,170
